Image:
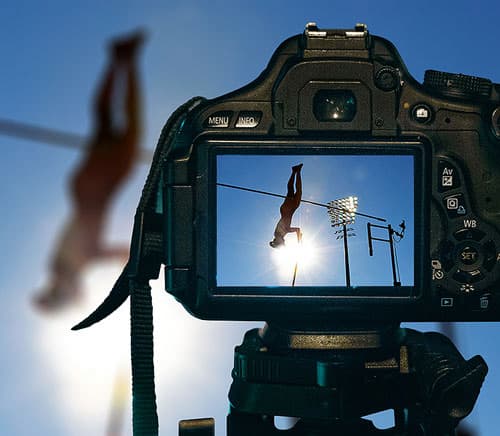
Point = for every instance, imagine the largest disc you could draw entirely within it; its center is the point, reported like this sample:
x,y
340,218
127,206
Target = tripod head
x,y
330,378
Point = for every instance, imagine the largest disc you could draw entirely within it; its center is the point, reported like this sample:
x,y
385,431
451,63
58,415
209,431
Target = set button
x,y
469,255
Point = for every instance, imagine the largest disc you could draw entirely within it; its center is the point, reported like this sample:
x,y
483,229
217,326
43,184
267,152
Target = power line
x,y
72,140
302,201
55,137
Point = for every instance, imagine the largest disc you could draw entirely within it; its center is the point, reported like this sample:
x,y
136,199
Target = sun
x,y
294,254
90,369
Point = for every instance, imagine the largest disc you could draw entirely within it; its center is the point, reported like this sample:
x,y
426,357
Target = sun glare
x,y
295,254
87,364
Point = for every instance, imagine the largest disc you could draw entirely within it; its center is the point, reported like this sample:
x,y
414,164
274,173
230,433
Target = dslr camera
x,y
334,197
395,183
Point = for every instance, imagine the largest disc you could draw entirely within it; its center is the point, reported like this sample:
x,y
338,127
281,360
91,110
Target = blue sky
x,y
59,383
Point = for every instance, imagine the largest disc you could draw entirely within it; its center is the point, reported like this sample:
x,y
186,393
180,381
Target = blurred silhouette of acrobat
x,y
287,209
112,151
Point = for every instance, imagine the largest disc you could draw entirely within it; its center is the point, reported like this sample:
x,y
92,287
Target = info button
x,y
248,119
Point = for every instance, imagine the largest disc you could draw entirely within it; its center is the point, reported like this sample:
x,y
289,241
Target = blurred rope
x,y
54,137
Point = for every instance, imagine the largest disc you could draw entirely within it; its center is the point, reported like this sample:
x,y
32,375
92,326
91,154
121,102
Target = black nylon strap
x,y
144,416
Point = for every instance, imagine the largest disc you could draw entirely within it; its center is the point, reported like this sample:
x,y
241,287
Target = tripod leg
x,y
197,427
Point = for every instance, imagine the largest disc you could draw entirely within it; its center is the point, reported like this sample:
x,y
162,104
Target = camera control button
x,y
446,301
387,79
455,205
219,120
468,277
448,177
457,85
461,276
447,259
469,255
484,302
490,255
469,234
248,119
421,113
495,122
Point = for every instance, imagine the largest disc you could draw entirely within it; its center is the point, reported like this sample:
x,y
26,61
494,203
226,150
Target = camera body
x,y
425,156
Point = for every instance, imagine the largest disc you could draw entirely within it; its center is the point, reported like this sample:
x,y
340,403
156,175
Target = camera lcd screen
x,y
338,223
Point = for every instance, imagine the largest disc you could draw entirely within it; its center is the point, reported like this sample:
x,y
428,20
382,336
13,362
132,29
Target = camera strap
x,y
146,258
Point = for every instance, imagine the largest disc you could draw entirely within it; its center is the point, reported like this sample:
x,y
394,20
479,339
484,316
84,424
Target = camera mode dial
x,y
457,85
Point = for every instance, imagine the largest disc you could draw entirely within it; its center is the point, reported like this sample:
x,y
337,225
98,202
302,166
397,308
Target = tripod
x,y
330,378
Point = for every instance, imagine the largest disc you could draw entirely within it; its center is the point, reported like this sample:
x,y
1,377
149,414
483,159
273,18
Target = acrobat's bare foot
x,y
297,168
126,47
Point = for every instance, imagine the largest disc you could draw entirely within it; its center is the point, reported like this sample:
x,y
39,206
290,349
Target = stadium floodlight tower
x,y
343,213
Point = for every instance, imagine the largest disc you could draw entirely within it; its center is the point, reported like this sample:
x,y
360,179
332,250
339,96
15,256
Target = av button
x,y
448,177
248,119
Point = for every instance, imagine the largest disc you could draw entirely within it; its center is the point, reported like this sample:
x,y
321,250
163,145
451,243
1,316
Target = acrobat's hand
x,y
57,296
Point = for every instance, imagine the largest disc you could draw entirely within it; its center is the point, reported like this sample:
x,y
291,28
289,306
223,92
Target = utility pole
x,y
343,213
391,232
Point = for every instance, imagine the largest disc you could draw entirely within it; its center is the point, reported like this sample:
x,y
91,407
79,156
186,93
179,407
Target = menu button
x,y
219,120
